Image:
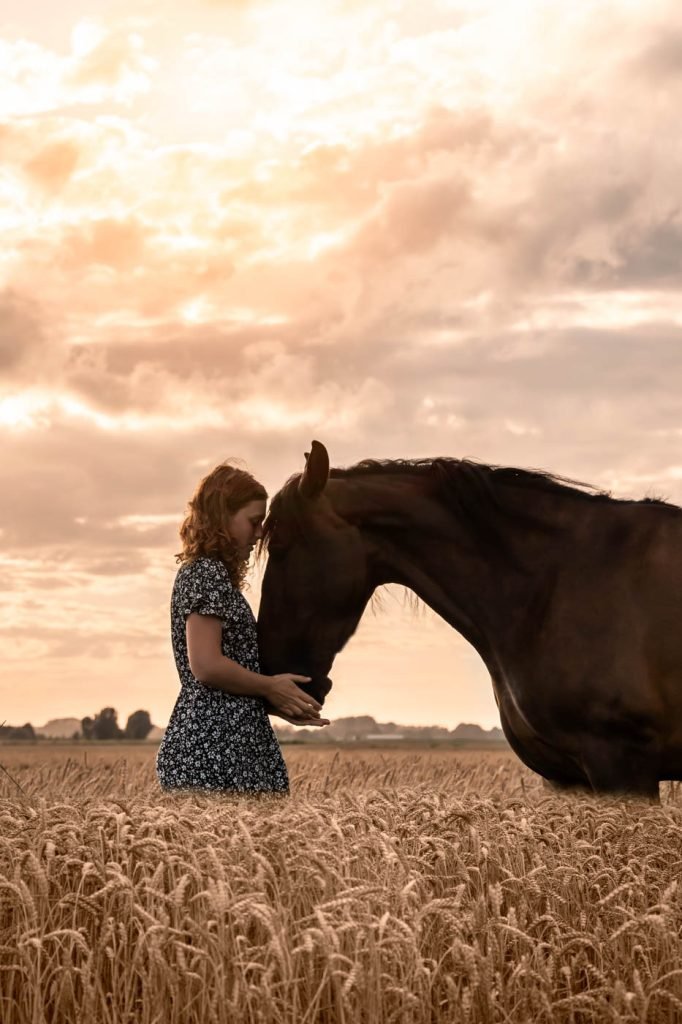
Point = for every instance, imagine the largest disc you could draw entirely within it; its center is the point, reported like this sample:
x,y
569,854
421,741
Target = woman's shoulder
x,y
204,569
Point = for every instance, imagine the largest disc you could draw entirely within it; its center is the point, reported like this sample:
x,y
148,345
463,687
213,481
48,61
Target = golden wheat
x,y
395,886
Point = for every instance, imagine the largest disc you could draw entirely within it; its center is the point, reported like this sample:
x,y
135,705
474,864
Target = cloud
x,y
517,398
108,59
88,482
346,179
23,341
116,243
103,67
53,164
661,59
644,256
413,218
465,198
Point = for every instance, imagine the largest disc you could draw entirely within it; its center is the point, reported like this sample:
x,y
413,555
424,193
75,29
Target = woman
x,y
219,736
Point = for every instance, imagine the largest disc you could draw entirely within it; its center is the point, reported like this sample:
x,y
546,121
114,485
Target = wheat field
x,y
392,886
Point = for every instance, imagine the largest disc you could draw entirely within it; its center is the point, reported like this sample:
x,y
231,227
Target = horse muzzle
x,y
317,688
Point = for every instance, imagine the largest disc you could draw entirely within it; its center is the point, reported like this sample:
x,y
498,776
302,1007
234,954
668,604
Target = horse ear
x,y
316,473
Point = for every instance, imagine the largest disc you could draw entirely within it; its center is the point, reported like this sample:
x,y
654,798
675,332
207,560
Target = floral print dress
x,y
217,740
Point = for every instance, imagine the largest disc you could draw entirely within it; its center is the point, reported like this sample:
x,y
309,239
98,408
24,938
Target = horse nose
x,y
318,687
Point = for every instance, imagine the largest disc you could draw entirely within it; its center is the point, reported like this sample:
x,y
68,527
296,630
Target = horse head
x,y
316,582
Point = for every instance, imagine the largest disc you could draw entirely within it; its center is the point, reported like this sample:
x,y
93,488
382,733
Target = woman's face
x,y
246,526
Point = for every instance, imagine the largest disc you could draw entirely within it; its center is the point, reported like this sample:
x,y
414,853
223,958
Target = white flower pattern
x,y
215,740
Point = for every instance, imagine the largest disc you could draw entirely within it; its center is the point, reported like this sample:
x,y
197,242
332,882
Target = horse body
x,y
572,600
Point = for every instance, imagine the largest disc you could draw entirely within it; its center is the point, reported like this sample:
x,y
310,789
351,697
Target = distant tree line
x,y
104,726
17,732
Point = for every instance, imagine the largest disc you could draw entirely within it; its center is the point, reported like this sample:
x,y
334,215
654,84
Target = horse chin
x,y
318,687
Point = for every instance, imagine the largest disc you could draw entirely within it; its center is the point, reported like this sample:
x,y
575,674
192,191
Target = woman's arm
x,y
209,665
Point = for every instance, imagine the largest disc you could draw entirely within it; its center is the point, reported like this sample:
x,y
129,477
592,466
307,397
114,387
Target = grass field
x,y
394,885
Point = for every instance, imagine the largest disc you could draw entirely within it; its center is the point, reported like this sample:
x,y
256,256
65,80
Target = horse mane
x,y
490,476
477,491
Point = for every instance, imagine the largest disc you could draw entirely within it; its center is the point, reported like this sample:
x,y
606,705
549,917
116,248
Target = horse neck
x,y
416,540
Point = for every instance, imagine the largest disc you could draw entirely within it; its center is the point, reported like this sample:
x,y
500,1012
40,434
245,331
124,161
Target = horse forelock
x,y
286,507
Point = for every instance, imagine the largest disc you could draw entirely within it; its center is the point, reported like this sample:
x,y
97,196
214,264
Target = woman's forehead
x,y
254,508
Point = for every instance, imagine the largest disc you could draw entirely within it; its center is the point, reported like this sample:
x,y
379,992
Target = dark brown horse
x,y
573,599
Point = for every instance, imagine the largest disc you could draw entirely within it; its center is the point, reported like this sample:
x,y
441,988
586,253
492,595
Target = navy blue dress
x,y
216,740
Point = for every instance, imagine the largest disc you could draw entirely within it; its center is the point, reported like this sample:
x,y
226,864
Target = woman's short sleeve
x,y
205,587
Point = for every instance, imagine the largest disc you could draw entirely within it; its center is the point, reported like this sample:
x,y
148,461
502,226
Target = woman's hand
x,y
289,701
307,722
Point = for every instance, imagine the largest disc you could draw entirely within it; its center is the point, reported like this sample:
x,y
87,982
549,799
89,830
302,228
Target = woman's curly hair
x,y
204,532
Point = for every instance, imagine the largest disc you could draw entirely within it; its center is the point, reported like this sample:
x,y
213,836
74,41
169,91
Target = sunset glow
x,y
445,227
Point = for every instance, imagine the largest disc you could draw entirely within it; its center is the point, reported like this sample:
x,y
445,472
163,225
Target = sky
x,y
406,229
